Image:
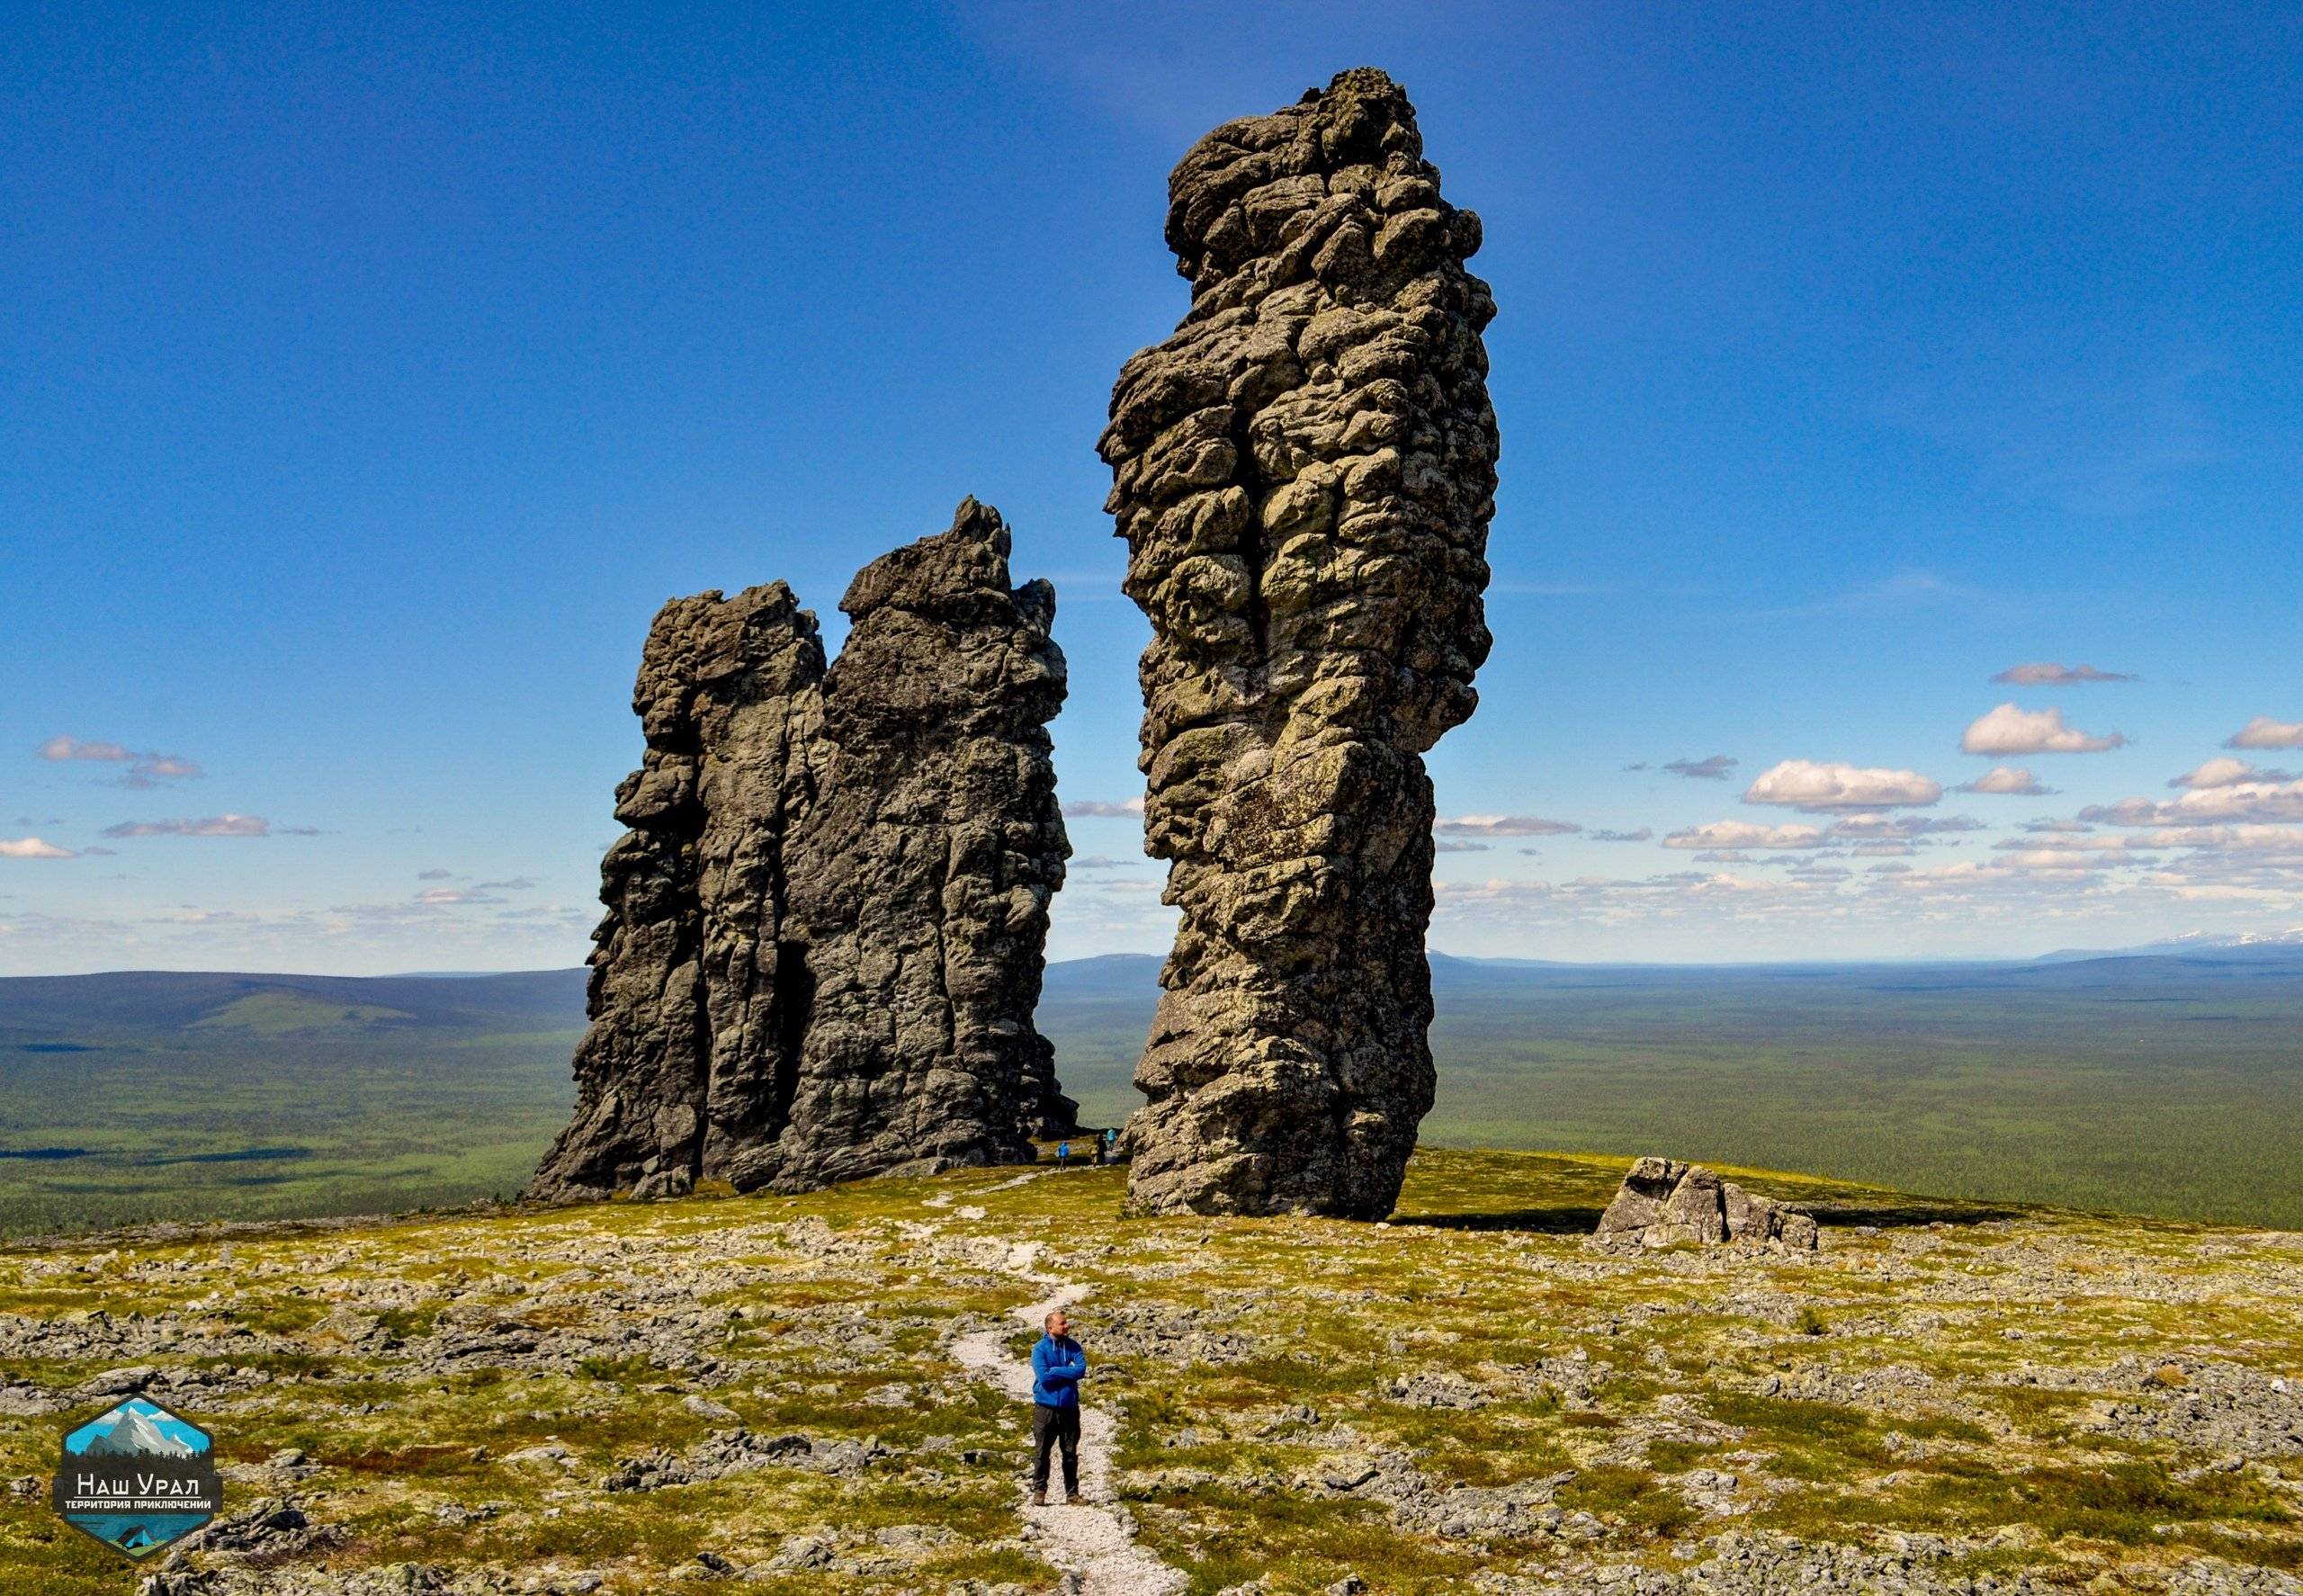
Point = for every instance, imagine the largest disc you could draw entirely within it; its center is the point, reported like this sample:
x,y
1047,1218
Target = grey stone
x,y
825,926
1663,1201
1304,475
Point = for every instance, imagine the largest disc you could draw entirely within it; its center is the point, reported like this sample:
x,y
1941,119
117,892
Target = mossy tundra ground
x,y
761,1394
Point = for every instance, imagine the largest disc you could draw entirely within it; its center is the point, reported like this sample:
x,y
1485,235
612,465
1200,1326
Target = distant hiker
x,y
1111,1143
1058,1365
1063,1155
1099,1150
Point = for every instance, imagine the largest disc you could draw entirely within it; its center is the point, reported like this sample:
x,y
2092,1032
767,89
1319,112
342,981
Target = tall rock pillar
x,y
1304,473
826,925
921,882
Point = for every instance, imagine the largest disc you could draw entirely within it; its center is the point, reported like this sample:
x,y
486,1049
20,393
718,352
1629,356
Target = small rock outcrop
x,y
1663,1201
825,928
1304,473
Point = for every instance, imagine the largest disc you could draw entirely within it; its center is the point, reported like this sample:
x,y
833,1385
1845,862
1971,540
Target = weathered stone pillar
x,y
1304,473
826,927
921,882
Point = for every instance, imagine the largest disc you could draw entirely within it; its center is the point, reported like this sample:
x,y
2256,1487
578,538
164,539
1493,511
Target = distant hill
x,y
2166,1080
2273,946
170,999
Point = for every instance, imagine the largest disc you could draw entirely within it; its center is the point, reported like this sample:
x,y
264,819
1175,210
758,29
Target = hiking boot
x,y
1039,1499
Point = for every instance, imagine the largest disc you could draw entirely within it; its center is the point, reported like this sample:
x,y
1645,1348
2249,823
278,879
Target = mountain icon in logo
x,y
132,1433
138,1478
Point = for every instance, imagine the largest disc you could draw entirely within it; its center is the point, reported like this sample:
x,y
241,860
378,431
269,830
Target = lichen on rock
x,y
826,925
1663,1202
1304,475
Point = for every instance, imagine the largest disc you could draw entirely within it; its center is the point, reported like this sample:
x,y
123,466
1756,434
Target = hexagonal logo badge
x,y
138,1478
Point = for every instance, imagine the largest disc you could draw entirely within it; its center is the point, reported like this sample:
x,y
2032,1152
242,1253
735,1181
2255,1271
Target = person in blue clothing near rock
x,y
1058,1366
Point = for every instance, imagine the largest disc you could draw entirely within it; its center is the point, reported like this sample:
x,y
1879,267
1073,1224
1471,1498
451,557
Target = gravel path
x,y
1092,1540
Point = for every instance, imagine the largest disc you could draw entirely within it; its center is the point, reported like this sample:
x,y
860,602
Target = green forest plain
x,y
2162,1086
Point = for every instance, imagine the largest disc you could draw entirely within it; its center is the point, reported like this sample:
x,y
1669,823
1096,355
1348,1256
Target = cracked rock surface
x,y
826,925
1304,473
1663,1201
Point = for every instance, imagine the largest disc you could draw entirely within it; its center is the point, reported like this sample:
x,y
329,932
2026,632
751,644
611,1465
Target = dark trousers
x,y
1050,1428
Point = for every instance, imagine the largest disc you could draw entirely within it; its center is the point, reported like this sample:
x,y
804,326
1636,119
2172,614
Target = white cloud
x,y
1819,788
1714,769
73,748
1502,825
2264,732
220,825
2012,729
1105,808
2224,771
2263,802
1898,828
143,770
2007,781
1642,835
32,847
2040,674
1729,836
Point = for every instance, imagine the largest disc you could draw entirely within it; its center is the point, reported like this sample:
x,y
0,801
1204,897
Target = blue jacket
x,y
1057,1368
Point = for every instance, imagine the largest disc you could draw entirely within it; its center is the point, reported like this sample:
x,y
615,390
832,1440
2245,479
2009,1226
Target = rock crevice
x,y
1304,475
826,924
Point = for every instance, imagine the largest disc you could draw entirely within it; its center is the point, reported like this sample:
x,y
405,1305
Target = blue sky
x,y
371,375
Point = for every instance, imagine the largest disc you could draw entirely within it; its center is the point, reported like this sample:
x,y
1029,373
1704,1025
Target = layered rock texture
x,y
1663,1201
824,928
1304,474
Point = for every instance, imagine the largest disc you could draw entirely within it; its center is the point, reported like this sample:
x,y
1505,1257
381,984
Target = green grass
x,y
2145,1086
2141,1086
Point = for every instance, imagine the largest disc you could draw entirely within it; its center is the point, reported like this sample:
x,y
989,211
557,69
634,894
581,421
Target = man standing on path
x,y
1058,1365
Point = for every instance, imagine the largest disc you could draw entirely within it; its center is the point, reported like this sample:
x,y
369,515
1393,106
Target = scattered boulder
x,y
825,926
1663,1201
1304,473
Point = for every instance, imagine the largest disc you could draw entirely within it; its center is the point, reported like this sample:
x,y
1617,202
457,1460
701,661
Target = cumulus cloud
x,y
220,825
1712,769
2264,732
1734,836
2007,781
1642,835
144,769
2226,772
1859,828
2242,802
2013,729
2039,674
1820,788
1502,825
74,747
1085,808
32,847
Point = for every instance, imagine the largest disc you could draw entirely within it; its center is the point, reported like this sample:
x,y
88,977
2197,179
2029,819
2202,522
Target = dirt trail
x,y
1094,1540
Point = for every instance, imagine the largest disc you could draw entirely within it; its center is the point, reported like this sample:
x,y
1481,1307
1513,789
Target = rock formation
x,y
824,936
1663,1201
1304,473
